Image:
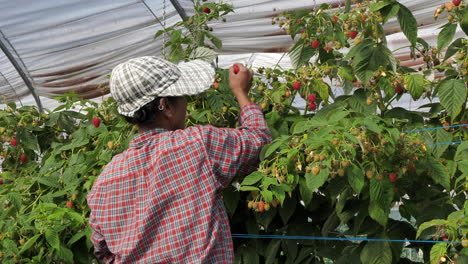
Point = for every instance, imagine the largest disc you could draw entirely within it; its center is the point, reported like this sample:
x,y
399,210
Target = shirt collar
x,y
139,140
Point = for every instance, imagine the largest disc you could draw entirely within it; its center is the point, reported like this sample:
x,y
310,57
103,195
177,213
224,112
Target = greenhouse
x,y
234,131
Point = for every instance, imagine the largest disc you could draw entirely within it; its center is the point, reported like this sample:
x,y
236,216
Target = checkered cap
x,y
139,81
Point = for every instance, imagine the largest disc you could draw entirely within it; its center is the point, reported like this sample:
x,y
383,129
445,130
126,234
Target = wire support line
x,y
432,128
447,143
343,238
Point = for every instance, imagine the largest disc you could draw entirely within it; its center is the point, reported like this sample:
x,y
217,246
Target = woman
x,y
160,201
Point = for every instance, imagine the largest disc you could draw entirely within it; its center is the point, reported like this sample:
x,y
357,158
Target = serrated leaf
x,y
441,136
446,35
389,11
376,252
321,88
29,243
347,6
355,177
248,188
287,209
313,182
216,41
253,178
379,5
76,237
378,213
65,254
452,94
52,238
248,255
453,48
300,53
28,139
346,72
268,195
437,251
424,43
203,53
464,22
439,174
15,199
415,85
460,149
408,24
387,87
271,148
370,58
305,192
231,200
272,251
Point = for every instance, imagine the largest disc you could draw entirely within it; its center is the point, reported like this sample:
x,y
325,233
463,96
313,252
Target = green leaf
x,y
437,251
369,58
203,53
52,238
460,149
376,190
453,48
287,209
231,200
424,43
415,85
268,195
315,181
379,5
389,11
439,173
452,94
355,177
378,213
65,254
15,199
29,243
408,24
249,255
387,87
464,21
347,6
300,53
306,193
76,237
441,136
321,88
272,251
446,35
248,188
216,41
253,178
176,35
376,252
346,72
28,139
271,148
10,246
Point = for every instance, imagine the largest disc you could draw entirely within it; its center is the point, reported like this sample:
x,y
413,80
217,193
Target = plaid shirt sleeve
x,y
101,251
236,151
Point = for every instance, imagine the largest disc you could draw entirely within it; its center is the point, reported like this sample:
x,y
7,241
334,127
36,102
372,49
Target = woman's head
x,y
150,91
165,112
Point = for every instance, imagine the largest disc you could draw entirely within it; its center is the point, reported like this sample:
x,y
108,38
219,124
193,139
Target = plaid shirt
x,y
160,202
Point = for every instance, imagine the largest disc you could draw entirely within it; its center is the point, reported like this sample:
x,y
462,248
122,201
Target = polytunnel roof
x,y
51,47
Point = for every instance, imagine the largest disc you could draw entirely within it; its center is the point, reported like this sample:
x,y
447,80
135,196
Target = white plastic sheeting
x,y
64,45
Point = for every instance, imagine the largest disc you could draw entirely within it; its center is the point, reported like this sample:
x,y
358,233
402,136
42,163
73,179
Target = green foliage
x,y
339,170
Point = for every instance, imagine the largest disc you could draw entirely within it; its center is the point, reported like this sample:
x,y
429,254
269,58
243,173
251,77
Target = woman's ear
x,y
165,108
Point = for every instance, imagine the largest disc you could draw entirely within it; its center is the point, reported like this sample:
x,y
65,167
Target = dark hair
x,y
147,112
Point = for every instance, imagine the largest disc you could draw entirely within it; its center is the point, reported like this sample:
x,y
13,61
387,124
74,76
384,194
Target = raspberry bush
x,y
338,165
